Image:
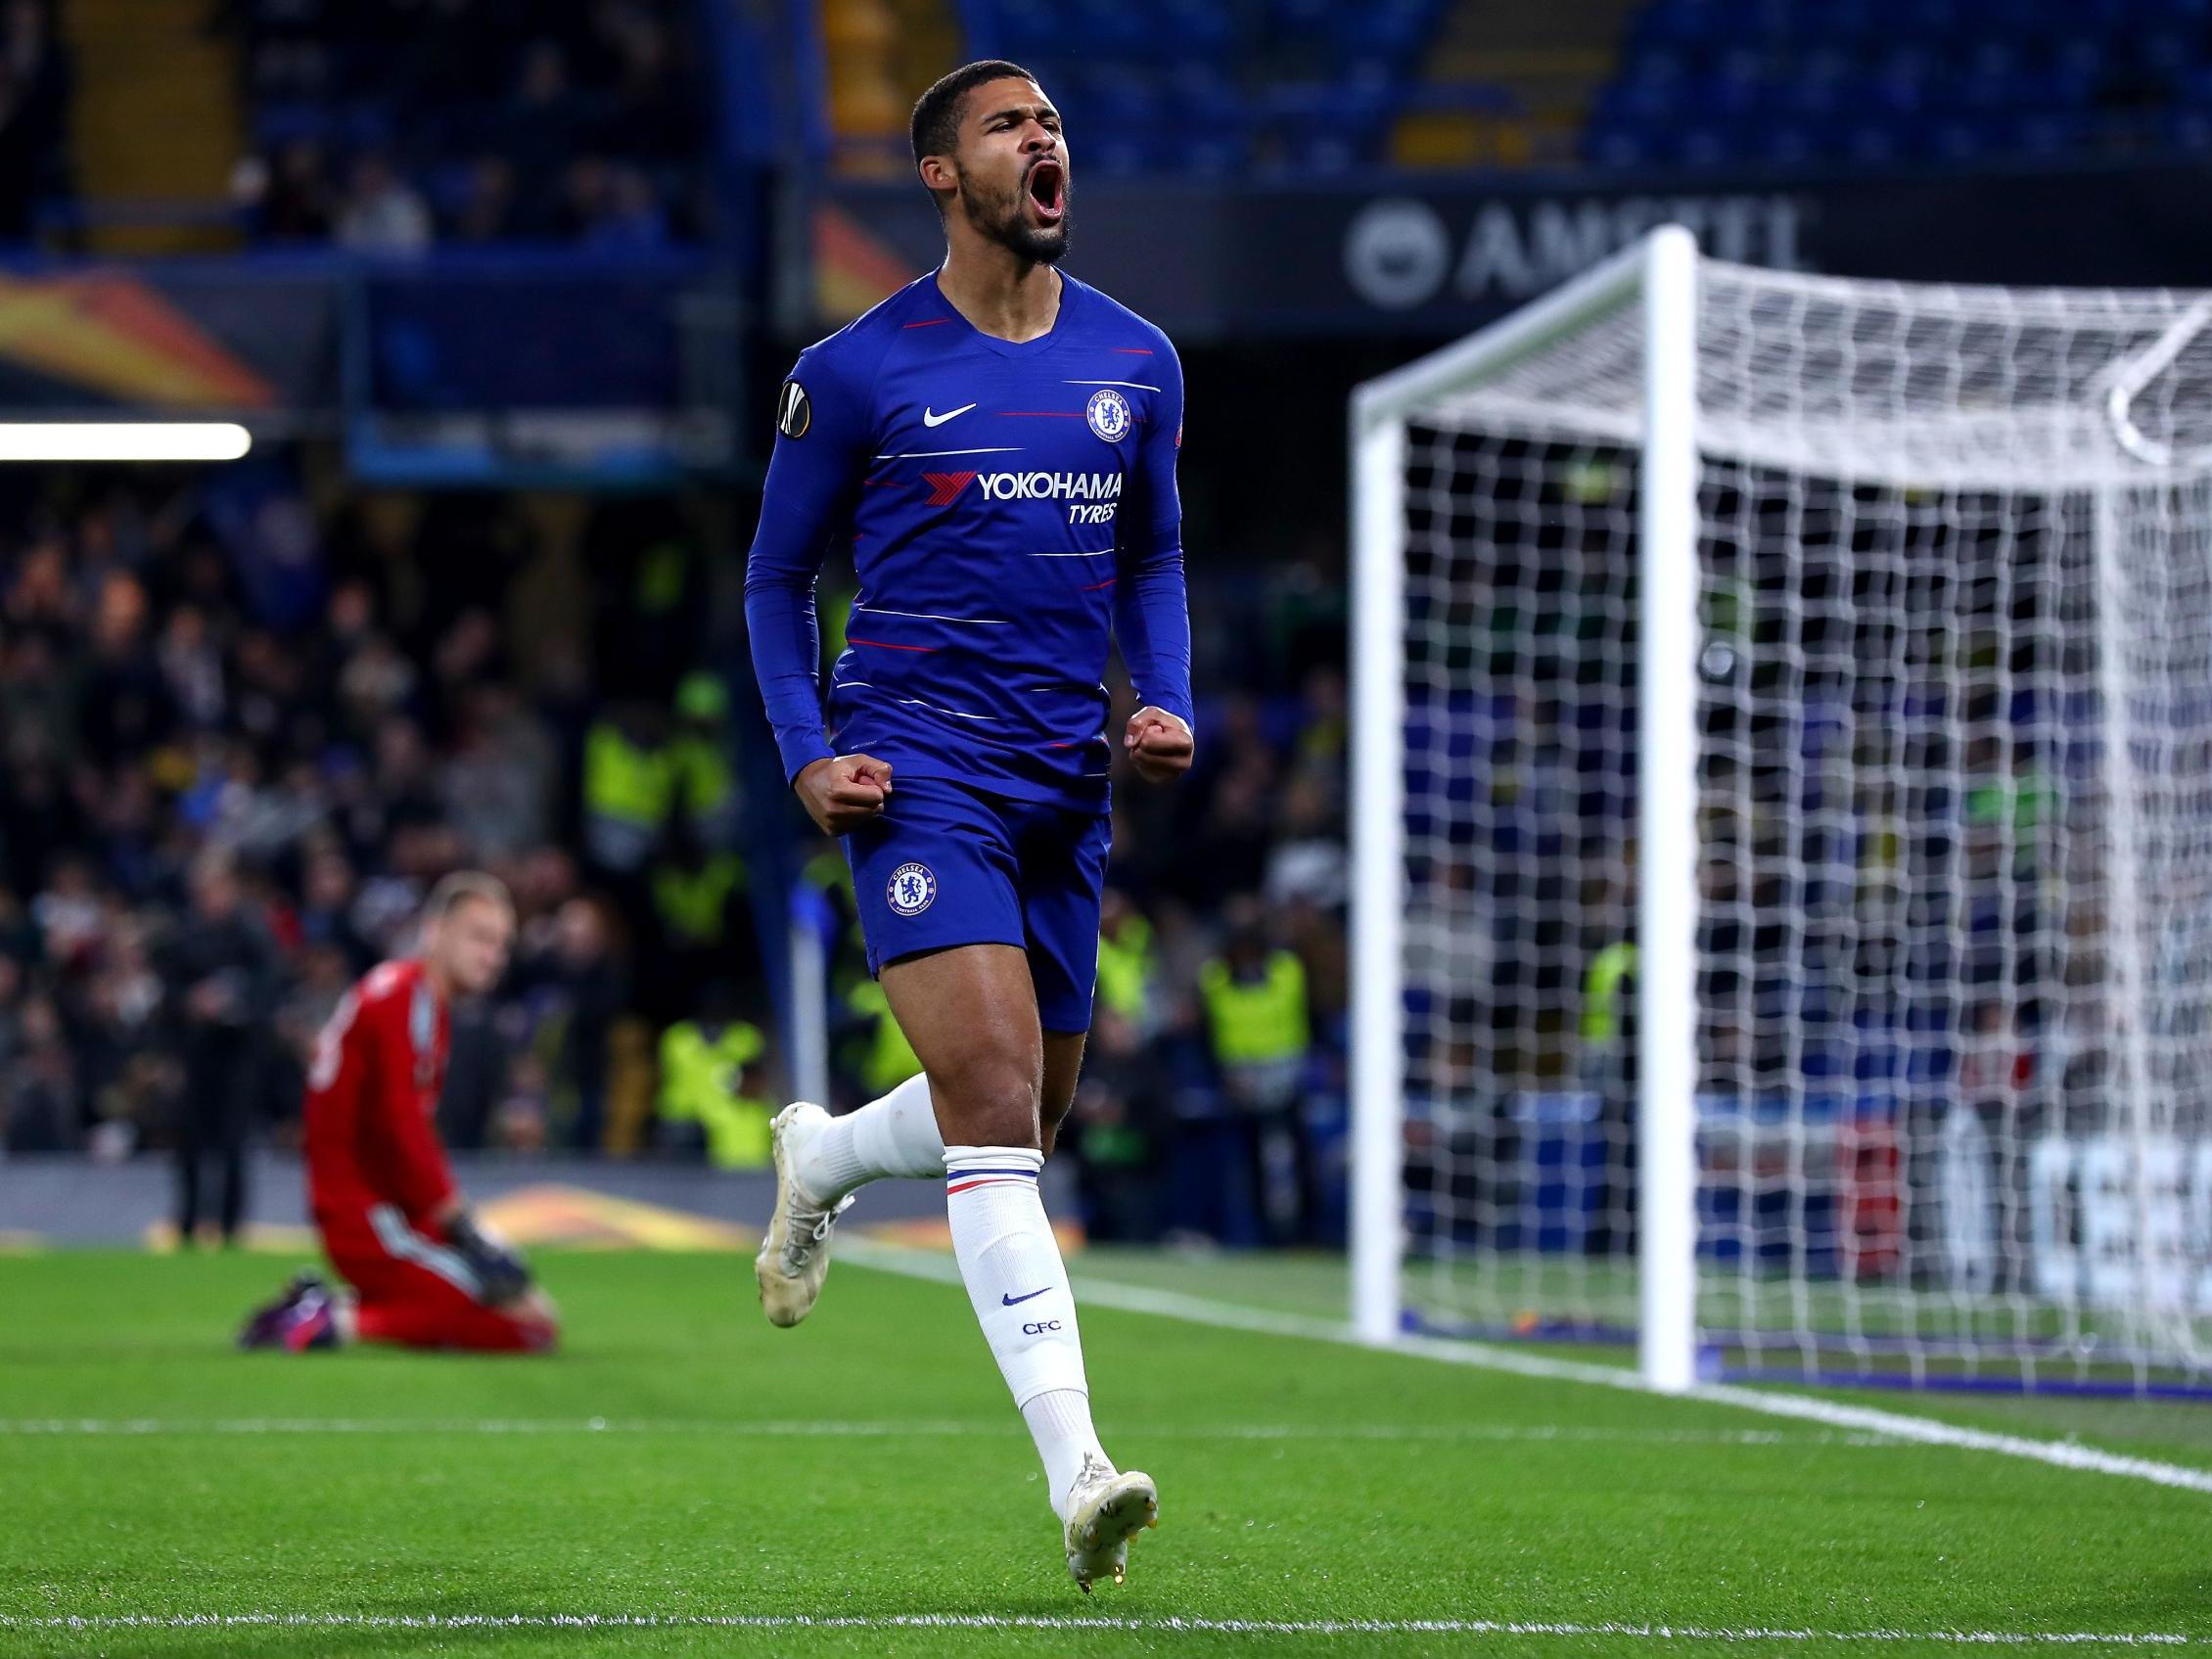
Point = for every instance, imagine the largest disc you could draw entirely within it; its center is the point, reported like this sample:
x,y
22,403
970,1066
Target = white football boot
x,y
1105,1510
793,1255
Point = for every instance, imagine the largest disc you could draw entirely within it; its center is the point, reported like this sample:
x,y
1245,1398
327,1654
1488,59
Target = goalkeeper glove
x,y
500,1272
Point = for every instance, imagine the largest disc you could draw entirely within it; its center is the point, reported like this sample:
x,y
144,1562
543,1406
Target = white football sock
x,y
1059,1421
1018,1286
895,1136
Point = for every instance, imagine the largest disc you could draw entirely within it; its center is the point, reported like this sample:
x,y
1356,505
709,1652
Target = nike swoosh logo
x,y
1003,1299
931,418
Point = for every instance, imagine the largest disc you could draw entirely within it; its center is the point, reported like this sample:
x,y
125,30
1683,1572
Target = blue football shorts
x,y
945,864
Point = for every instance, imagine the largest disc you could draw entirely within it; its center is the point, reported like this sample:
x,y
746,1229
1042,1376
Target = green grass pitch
x,y
680,1462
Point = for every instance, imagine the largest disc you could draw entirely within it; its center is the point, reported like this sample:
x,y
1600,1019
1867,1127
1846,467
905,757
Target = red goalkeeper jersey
x,y
372,1095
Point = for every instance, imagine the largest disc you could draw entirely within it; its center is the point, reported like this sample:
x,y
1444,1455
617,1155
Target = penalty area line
x,y
1829,1413
1164,1623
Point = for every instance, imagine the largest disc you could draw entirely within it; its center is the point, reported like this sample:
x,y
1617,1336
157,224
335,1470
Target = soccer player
x,y
997,442
423,1272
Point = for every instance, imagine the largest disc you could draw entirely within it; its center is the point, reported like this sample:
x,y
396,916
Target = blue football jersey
x,y
1011,509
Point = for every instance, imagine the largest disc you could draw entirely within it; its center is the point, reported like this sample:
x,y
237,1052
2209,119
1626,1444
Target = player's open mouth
x,y
1048,190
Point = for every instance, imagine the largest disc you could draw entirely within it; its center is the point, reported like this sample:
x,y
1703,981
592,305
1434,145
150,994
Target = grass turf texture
x,y
869,1466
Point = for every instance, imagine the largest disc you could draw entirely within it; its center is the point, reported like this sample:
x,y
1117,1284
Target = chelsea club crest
x,y
1108,414
910,889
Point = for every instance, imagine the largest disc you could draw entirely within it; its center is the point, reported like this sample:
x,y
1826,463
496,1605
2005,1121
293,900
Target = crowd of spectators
x,y
388,125
1220,1067
246,723
219,685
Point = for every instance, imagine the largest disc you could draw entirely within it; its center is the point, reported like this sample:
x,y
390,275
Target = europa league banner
x,y
197,336
1209,261
265,339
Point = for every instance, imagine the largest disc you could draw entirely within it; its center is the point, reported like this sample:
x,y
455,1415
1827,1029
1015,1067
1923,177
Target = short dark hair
x,y
936,129
462,886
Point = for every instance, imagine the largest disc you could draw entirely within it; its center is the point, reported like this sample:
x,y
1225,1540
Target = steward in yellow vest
x,y
703,1067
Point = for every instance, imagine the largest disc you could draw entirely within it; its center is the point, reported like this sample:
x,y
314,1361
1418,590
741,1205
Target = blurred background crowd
x,y
245,729
384,125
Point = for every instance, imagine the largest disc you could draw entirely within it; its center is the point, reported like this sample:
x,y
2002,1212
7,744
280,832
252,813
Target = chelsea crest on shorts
x,y
911,889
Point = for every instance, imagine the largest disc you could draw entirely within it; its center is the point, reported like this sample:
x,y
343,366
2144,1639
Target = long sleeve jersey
x,y
1011,510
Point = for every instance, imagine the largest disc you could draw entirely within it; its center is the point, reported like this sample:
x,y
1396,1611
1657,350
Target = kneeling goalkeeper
x,y
423,1273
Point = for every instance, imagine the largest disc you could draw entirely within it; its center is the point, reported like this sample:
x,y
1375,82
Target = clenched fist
x,y
1159,745
844,793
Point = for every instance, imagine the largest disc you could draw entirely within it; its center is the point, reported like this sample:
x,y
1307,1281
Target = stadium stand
x,y
1880,82
1293,86
388,125
392,125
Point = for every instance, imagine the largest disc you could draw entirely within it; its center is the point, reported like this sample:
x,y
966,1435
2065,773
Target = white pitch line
x,y
1896,1425
807,1429
830,1428
1169,1624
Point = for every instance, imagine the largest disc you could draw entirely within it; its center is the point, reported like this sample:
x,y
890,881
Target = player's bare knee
x,y
990,1102
1006,1115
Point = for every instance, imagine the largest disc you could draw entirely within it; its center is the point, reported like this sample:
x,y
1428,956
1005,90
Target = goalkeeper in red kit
x,y
423,1272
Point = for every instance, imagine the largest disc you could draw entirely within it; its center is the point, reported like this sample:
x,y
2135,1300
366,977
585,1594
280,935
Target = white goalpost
x,y
1782,878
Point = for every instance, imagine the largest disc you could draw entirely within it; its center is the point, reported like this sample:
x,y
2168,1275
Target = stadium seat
x,y
1876,81
1335,75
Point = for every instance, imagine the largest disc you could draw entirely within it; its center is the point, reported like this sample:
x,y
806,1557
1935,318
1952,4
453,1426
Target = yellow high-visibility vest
x,y
699,771
698,1082
623,781
1255,1022
1125,968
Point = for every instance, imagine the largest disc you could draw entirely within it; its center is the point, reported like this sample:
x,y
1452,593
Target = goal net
x,y
1784,920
